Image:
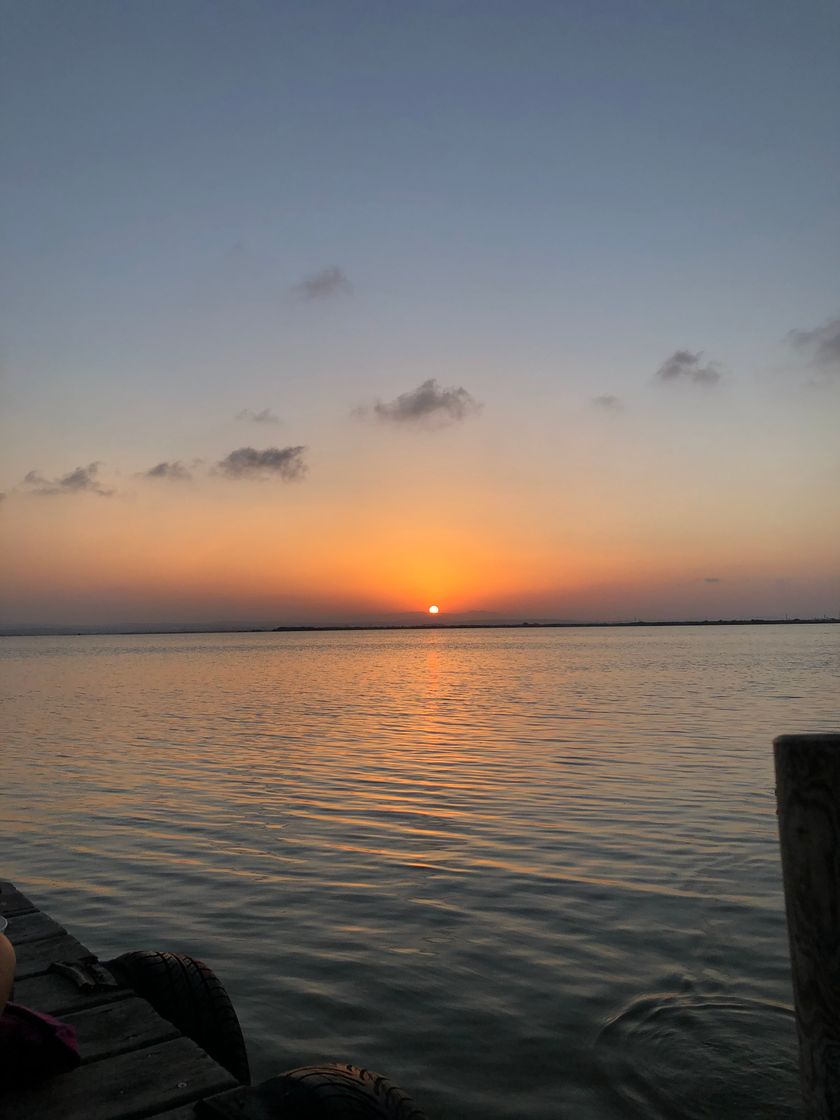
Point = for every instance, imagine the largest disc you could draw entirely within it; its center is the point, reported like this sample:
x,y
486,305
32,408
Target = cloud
x,y
685,366
326,284
822,342
286,463
74,482
428,401
265,416
712,579
608,403
174,471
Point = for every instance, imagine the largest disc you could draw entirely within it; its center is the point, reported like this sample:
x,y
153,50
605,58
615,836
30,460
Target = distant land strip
x,y
561,625
79,632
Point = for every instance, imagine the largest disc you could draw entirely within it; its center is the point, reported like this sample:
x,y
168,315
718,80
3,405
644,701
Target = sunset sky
x,y
327,311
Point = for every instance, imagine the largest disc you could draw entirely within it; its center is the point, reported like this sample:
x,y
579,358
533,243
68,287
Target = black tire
x,y
336,1092
191,997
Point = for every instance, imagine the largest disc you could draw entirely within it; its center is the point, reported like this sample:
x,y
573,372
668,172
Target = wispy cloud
x,y
264,416
608,403
80,480
174,471
428,401
712,579
326,284
286,463
685,366
822,343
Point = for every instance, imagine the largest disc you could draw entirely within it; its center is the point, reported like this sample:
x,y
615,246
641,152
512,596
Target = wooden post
x,y
808,800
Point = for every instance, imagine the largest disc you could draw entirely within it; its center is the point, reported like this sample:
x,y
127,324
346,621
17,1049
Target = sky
x,y
328,311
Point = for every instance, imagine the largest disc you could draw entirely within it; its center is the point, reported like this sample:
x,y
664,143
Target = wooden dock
x,y
137,1066
134,1063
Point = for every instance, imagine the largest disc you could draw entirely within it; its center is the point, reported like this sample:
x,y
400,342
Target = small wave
x,y
689,1055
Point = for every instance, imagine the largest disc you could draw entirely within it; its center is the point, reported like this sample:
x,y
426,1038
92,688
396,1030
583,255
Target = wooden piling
x,y
808,801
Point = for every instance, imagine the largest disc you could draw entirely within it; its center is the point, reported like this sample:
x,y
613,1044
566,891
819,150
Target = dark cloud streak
x,y
80,480
174,471
608,403
428,401
264,416
685,366
822,342
326,284
286,463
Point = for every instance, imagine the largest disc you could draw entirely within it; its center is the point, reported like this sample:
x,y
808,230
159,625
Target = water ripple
x,y
523,874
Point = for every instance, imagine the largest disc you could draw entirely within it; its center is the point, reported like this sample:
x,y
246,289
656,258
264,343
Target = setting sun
x,y
433,610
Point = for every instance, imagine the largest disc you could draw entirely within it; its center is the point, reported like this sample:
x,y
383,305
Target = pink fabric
x,y
34,1045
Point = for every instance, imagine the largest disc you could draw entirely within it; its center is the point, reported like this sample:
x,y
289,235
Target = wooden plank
x,y
58,996
127,1087
37,956
244,1102
185,1112
32,927
12,901
115,1028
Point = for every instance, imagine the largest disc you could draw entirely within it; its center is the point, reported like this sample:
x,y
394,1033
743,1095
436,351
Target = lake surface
x,y
523,873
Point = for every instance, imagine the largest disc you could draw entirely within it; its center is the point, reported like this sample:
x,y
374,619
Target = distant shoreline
x,y
71,632
562,625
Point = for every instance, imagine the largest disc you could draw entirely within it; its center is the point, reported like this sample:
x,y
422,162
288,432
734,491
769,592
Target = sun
x,y
433,609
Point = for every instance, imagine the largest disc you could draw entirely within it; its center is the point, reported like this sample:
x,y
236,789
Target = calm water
x,y
525,874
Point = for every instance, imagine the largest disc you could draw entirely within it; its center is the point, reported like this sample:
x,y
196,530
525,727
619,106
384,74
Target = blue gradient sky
x,y
539,203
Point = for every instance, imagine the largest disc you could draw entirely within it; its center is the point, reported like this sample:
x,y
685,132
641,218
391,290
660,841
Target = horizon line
x,y
127,629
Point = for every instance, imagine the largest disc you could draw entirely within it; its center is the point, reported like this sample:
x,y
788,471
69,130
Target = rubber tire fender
x,y
336,1091
189,995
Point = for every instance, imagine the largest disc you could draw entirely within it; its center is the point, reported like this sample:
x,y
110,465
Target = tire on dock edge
x,y
336,1091
189,995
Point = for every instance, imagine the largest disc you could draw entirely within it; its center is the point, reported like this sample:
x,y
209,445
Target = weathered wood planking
x,y
35,926
125,1087
12,901
241,1103
34,957
37,939
185,1112
115,1028
59,996
135,1063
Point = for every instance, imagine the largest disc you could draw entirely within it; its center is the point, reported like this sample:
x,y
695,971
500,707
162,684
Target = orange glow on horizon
x,y
303,555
